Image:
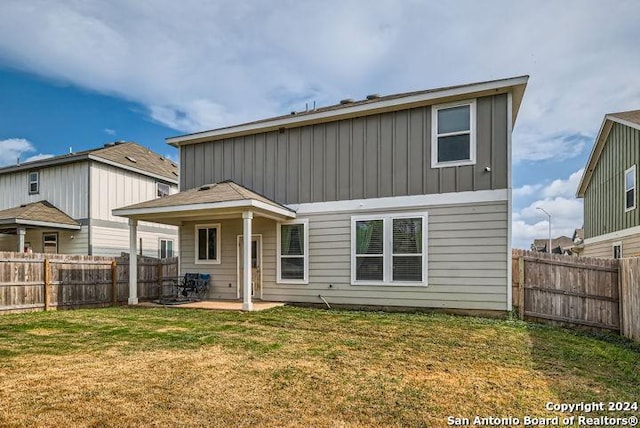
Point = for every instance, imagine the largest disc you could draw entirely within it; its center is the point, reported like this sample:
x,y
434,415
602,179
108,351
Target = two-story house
x,y
608,186
63,204
401,200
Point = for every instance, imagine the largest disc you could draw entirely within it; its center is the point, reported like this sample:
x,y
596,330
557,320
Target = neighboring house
x,y
559,245
400,200
63,204
609,189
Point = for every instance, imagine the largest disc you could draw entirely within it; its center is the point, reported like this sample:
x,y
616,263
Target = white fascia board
x,y
21,222
613,235
245,203
597,149
132,169
402,202
624,122
598,145
371,108
509,202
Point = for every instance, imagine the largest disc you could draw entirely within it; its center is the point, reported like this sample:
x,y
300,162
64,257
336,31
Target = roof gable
x,y
627,118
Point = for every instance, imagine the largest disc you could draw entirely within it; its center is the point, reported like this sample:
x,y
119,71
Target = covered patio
x,y
36,215
214,202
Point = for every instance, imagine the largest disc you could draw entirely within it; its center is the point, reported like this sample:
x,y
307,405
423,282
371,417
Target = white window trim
x,y
160,246
279,279
635,193
435,135
613,246
216,261
387,249
158,184
57,241
37,181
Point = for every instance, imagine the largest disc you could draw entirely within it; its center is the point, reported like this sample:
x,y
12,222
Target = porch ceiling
x,y
218,200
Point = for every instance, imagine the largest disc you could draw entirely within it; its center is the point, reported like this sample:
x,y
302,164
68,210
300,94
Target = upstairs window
x,y
293,252
162,190
208,243
453,139
630,188
34,182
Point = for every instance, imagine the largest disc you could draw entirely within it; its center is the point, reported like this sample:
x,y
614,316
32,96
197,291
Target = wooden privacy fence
x,y
48,281
578,291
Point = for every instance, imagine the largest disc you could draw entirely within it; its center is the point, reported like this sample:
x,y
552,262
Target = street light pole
x,y
545,211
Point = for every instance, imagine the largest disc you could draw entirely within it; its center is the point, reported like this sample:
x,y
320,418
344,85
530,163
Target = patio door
x,y
256,266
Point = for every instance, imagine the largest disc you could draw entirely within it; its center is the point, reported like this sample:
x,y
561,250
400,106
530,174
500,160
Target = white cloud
x,y
109,131
566,188
557,198
526,190
13,148
198,65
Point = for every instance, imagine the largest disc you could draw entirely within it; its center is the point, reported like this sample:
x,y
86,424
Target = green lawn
x,y
297,367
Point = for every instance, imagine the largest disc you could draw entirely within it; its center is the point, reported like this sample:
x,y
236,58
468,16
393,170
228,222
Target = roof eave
x,y
598,147
36,223
516,84
184,208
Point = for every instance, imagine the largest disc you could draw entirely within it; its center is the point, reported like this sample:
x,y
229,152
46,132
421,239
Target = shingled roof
x,y
224,191
38,214
128,155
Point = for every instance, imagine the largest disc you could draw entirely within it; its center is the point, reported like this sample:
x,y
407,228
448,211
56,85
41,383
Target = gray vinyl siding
x,y
467,261
374,156
224,276
604,203
112,241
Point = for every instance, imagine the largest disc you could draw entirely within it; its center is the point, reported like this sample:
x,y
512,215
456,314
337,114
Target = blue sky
x,y
81,73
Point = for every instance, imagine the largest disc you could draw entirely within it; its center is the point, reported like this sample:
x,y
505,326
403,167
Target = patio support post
x,y
133,262
20,231
247,217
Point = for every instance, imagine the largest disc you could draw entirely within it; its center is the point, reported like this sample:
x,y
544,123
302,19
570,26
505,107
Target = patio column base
x,y
247,306
132,301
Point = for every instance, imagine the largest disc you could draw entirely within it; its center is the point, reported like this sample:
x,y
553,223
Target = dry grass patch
x,y
293,367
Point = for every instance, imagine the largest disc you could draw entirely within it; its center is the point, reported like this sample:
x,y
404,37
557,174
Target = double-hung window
x,y
207,243
34,182
630,189
293,252
453,134
389,249
166,248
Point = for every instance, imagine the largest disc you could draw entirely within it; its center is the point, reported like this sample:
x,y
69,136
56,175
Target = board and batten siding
x,y
466,247
65,186
113,187
604,209
380,155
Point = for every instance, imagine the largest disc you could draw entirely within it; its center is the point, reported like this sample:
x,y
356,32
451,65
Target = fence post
x,y
47,283
521,286
160,270
114,283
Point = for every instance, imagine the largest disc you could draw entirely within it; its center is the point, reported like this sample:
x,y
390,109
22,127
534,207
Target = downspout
x,y
324,300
